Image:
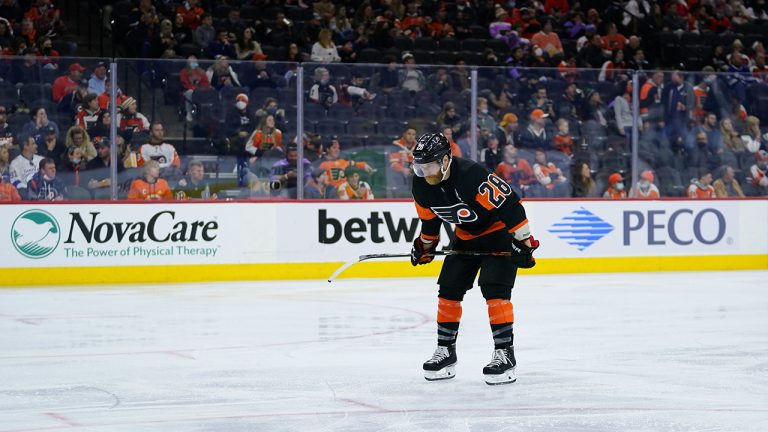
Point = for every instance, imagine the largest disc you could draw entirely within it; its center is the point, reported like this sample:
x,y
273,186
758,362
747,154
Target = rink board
x,y
178,242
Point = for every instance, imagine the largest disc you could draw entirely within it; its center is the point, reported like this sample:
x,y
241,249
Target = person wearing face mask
x,y
322,92
271,107
615,187
645,187
192,77
44,186
240,122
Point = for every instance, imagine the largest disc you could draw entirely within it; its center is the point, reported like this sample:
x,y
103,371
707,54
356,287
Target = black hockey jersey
x,y
476,200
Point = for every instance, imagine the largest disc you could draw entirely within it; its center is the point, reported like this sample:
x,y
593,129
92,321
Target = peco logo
x,y
581,228
35,234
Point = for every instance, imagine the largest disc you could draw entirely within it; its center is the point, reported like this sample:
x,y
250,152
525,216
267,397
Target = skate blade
x,y
447,372
507,377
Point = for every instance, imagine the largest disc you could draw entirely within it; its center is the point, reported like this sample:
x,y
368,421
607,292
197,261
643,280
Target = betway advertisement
x,y
69,235
125,234
566,229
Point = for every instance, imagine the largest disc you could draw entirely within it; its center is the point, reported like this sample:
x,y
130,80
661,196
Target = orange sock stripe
x,y
448,310
500,311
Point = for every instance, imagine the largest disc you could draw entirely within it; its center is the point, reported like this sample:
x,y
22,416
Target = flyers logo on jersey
x,y
455,214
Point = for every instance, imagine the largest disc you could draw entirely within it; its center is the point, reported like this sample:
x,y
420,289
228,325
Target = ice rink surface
x,y
620,352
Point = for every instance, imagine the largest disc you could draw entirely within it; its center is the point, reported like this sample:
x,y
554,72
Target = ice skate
x,y
442,365
501,369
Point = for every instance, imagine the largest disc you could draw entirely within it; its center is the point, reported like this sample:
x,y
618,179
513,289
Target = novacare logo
x,y
35,234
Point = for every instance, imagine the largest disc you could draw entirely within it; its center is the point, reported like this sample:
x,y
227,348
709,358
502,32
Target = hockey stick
x,y
436,253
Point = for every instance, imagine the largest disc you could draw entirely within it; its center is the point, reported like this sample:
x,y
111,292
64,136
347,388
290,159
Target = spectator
x,y
164,43
285,172
26,70
194,185
549,175
702,187
44,186
66,84
336,166
515,170
102,128
98,172
615,187
714,141
158,150
731,140
221,74
571,102
547,40
651,107
507,130
150,186
38,123
484,119
535,135
52,147
727,185
410,77
257,188
261,76
541,101
386,79
182,33
449,117
46,55
272,107
234,23
28,32
71,168
354,92
78,137
638,61
322,92
191,13
205,33
645,187
591,54
563,140
460,75
456,149
240,122
72,101
440,81
613,40
752,134
311,31
98,82
130,121
8,193
354,188
348,52
613,69
106,98
6,31
491,155
265,138
192,78
623,113
221,46
759,173
5,163
247,48
317,187
324,51
283,31
678,99
6,134
89,112
582,184
401,159
25,165
594,109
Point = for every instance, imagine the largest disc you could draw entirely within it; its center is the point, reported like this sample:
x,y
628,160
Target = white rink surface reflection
x,y
620,352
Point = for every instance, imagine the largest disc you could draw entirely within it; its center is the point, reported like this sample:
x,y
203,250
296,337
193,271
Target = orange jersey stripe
x,y
518,226
424,213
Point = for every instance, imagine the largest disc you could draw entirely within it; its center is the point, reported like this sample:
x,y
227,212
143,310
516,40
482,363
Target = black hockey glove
x,y
420,251
522,254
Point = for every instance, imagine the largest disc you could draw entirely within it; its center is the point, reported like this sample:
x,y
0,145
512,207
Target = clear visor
x,y
427,169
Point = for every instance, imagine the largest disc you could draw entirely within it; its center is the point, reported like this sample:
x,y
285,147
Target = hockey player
x,y
488,217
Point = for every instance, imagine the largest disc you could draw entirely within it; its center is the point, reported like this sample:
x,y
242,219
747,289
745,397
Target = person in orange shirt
x,y
335,166
615,187
702,188
515,171
563,140
354,188
613,40
266,137
400,161
8,192
645,187
151,186
548,40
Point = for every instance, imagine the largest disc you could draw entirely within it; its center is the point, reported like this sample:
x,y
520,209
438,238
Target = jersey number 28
x,y
494,191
